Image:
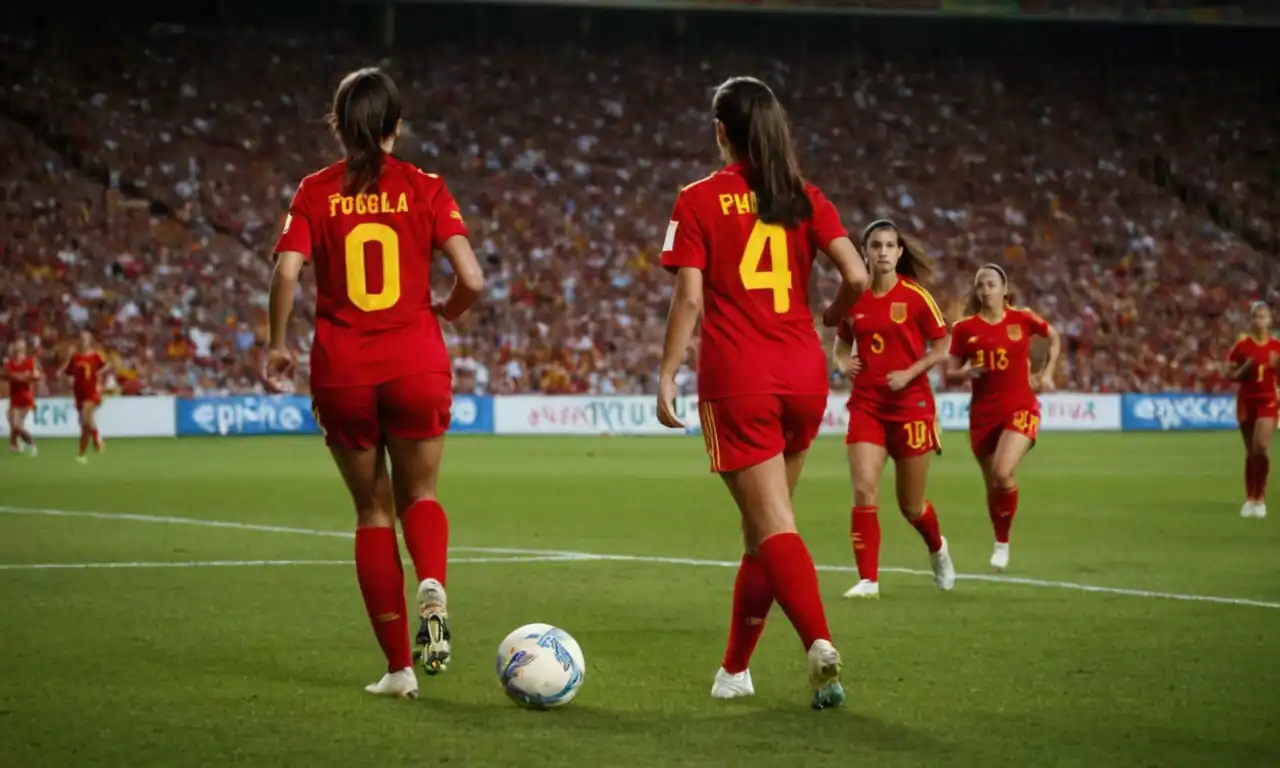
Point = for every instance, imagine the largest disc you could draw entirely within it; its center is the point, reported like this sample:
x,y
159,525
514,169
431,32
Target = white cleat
x,y
82,460
1259,509
866,589
1246,509
824,675
433,632
34,451
400,685
944,571
1000,556
727,686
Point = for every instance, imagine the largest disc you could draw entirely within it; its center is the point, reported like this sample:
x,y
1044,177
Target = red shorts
x,y
23,401
1249,411
87,397
902,439
984,435
743,431
411,408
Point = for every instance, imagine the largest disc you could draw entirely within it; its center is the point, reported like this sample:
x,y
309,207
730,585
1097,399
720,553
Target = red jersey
x,y
83,368
372,256
890,332
20,391
1003,351
758,335
1259,383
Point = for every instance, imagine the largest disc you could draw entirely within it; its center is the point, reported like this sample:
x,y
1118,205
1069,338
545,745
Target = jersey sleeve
x,y
446,217
686,242
1237,356
928,317
959,341
1036,324
825,222
296,235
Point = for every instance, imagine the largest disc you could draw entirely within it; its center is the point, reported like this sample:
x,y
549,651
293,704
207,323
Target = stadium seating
x,y
146,187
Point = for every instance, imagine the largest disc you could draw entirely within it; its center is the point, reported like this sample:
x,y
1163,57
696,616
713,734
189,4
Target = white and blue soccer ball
x,y
541,666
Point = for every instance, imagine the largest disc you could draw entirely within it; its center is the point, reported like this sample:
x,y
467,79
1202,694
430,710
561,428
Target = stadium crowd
x,y
149,175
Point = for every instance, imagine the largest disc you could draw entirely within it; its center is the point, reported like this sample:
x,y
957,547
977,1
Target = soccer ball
x,y
540,666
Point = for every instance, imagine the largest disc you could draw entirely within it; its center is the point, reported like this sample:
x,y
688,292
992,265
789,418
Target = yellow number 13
x,y
358,277
777,279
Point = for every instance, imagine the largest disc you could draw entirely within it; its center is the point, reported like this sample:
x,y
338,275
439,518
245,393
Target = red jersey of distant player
x,y
1002,396
891,332
762,372
85,369
22,392
1256,398
372,257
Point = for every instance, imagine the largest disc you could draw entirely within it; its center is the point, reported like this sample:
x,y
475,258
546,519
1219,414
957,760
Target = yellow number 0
x,y
1262,371
358,278
917,433
777,279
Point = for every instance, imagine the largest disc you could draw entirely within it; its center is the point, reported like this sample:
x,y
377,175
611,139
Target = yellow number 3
x,y
358,278
777,279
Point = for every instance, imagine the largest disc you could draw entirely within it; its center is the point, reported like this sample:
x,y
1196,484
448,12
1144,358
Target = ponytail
x,y
366,111
756,126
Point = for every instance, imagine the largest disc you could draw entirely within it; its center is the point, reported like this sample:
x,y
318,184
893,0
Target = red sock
x,y
864,529
426,535
786,561
1262,463
382,586
752,599
84,440
927,526
1002,505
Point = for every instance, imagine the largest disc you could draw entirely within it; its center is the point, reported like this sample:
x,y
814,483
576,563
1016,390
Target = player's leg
x,y
85,416
912,457
746,445
414,412
1260,449
10,416
865,449
1247,421
348,418
95,436
20,428
1002,493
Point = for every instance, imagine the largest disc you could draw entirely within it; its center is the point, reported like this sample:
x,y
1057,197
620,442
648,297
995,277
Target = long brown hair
x,y
366,111
914,262
973,305
756,126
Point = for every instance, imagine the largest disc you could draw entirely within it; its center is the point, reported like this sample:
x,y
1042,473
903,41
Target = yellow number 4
x,y
777,279
358,278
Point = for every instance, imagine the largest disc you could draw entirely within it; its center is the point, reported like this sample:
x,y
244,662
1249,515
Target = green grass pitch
x,y
264,664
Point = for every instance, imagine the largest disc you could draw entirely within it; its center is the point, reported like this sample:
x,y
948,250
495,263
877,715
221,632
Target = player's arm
x,y
933,326
832,239
959,367
684,252
449,233
468,281
842,351
1238,364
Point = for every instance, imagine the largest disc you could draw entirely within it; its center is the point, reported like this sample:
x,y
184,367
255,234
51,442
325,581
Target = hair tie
x,y
994,267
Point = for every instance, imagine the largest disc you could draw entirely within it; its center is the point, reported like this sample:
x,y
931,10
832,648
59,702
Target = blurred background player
x,y
86,367
900,333
992,348
22,373
381,381
741,243
1253,362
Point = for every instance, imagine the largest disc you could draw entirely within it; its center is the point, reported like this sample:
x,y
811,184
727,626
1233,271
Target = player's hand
x,y
898,380
1044,383
831,319
280,369
854,366
437,309
972,371
667,404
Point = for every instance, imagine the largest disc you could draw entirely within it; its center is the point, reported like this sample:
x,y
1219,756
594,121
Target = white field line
x,y
259,563
550,555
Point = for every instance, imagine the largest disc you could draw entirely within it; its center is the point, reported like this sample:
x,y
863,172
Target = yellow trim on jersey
x,y
693,184
928,299
709,434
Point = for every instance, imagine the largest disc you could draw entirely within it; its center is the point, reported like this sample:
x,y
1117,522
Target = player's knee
x,y
1002,478
911,510
374,514
865,492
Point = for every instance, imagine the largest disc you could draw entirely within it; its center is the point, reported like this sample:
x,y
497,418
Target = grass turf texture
x,y
265,664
